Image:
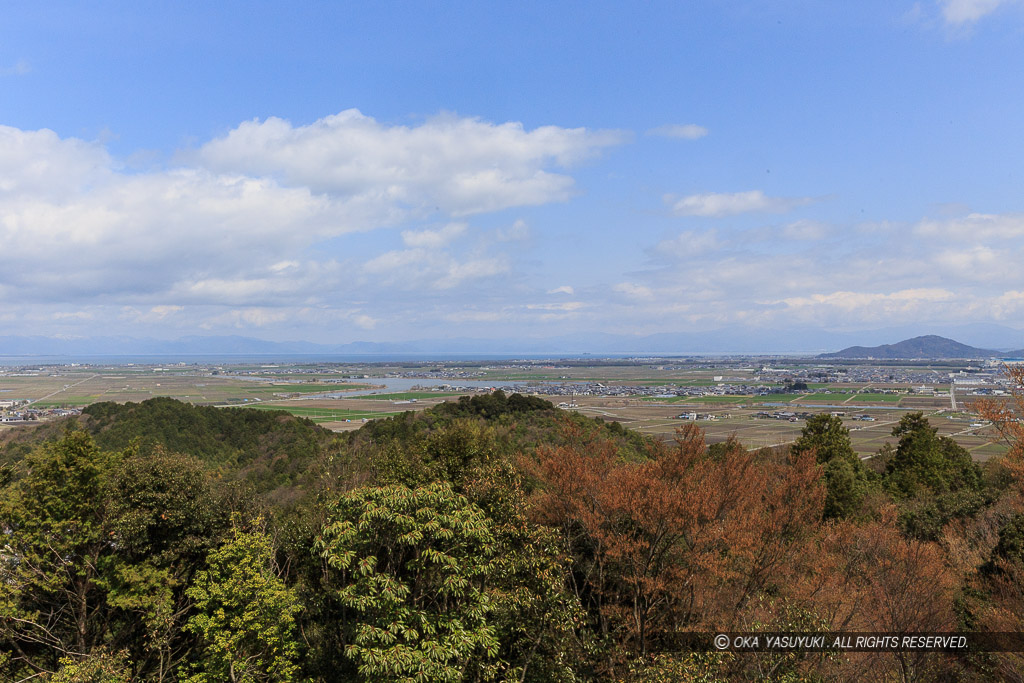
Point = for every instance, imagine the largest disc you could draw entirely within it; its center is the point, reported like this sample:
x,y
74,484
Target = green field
x,y
67,401
319,415
865,397
771,398
696,399
877,398
717,399
670,399
520,376
777,398
406,396
677,382
264,390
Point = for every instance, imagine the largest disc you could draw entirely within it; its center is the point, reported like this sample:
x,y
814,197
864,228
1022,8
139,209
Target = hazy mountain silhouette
x,y
928,346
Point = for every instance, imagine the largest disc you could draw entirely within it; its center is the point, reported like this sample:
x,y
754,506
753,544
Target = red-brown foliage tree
x,y
679,541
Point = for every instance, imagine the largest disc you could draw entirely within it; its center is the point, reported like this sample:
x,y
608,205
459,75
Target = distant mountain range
x,y
929,346
734,340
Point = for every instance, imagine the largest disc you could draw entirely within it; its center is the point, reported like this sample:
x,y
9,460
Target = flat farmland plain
x,y
345,414
71,388
736,402
740,418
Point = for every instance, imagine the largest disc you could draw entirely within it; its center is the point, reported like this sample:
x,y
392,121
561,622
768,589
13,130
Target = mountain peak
x,y
927,346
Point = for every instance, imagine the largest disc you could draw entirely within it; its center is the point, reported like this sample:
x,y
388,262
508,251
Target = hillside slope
x,y
928,346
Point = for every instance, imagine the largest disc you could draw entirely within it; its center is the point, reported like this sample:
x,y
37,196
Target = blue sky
x,y
388,171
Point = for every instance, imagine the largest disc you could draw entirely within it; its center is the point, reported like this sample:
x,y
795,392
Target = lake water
x,y
389,385
248,358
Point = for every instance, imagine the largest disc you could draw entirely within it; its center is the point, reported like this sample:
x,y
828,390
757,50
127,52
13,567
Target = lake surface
x,y
244,359
388,385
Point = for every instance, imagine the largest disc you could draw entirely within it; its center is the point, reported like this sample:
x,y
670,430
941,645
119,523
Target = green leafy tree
x,y
449,453
164,521
539,623
827,437
100,667
1010,546
245,615
55,556
932,477
413,566
846,479
924,459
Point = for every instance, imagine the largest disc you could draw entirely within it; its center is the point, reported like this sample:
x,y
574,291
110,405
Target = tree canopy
x,y
492,538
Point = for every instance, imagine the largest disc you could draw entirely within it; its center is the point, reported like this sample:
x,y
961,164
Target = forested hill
x,y
929,346
269,450
493,538
280,456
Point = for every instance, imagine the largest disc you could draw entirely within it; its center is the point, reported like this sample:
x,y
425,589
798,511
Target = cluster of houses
x,y
797,416
784,415
700,416
20,411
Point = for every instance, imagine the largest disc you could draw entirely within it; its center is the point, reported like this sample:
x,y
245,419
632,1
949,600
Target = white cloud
x,y
473,316
962,12
1009,304
150,233
233,290
688,244
433,239
519,231
19,68
460,165
716,205
952,270
688,131
246,317
973,227
567,306
849,301
472,269
155,314
633,290
235,247
976,261
161,312
806,231
419,268
365,322
40,165
254,218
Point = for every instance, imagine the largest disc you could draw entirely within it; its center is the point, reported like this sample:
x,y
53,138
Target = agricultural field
x,y
754,432
345,414
409,396
322,415
71,387
622,391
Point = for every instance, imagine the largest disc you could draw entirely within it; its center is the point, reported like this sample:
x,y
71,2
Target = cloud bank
x,y
462,166
681,131
253,218
717,205
349,227
964,12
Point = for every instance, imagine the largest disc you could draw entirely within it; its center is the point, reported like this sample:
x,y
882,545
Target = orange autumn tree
x,y
680,540
1006,416
999,582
